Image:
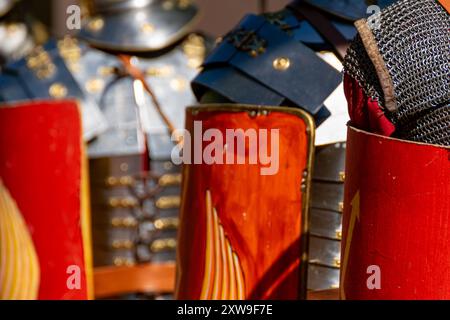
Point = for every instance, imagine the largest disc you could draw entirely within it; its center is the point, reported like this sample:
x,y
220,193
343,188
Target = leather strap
x,y
323,25
137,74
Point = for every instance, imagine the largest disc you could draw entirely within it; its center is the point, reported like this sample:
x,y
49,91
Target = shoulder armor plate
x,y
263,58
43,74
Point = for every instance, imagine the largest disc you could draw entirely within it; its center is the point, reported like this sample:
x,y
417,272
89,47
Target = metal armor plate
x,y
326,217
5,6
143,26
135,186
43,74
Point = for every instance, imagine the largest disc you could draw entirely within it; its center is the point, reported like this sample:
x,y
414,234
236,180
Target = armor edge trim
x,y
86,227
374,54
397,139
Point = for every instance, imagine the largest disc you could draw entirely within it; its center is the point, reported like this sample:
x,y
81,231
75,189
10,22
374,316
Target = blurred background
x,y
217,16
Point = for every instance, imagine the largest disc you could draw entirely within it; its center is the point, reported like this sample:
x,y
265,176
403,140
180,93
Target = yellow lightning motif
x,y
351,226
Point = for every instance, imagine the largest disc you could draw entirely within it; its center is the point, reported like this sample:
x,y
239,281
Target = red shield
x,y
42,165
396,219
242,233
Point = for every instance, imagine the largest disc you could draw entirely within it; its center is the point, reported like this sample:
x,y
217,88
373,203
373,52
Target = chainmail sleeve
x,y
401,58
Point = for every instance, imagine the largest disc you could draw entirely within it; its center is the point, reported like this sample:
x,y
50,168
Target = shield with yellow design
x,y
244,213
396,217
44,218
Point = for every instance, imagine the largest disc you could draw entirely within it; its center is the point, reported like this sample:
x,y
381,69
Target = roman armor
x,y
397,170
130,68
46,248
401,75
288,58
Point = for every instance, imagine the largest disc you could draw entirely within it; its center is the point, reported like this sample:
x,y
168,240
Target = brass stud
x,y
337,262
122,244
116,222
114,202
95,85
179,84
168,5
147,28
122,202
111,181
304,257
57,91
168,165
128,203
129,222
170,180
71,52
167,223
339,234
129,263
96,24
342,176
120,262
161,245
124,222
163,71
106,71
252,114
184,4
281,64
169,202
124,167
126,181
40,62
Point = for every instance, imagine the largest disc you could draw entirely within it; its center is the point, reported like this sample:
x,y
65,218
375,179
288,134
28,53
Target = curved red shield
x,y
396,219
42,164
242,232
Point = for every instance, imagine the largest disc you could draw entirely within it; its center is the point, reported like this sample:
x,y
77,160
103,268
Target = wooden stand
x,y
115,281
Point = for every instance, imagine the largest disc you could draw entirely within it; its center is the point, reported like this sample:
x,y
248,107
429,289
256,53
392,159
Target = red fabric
x,y
365,113
40,163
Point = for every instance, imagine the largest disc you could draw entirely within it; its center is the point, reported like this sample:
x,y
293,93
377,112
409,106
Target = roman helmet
x,y
137,25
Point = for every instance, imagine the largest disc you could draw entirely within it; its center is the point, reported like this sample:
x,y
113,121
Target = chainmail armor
x,y
414,42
